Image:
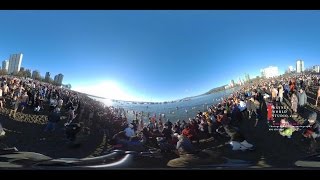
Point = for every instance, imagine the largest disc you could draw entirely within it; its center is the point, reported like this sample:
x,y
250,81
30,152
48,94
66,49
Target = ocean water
x,y
182,110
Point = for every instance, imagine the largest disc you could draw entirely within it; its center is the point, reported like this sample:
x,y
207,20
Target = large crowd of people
x,y
251,101
183,136
22,95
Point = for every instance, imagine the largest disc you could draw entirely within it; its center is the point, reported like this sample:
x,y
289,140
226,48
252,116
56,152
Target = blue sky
x,y
158,55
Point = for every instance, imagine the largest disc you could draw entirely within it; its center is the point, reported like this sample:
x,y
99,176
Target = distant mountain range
x,y
214,90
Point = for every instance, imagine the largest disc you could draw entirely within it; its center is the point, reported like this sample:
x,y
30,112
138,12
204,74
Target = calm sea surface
x,y
175,110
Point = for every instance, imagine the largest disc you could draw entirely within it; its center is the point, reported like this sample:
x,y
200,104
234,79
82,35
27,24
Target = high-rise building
x,y
247,77
232,83
240,82
58,79
5,65
316,68
300,66
35,74
15,61
47,77
269,72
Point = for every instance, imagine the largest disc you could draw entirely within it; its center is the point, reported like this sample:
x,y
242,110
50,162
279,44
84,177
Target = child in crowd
x,y
286,129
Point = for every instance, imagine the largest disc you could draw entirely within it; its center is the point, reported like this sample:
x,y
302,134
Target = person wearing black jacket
x,y
53,119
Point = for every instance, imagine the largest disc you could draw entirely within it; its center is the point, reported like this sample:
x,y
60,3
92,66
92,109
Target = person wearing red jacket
x,y
189,132
270,108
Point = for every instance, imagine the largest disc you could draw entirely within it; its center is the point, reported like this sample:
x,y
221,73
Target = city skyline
x,y
267,72
14,64
158,55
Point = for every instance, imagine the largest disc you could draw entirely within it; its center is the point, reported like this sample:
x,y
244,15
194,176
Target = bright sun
x,y
106,89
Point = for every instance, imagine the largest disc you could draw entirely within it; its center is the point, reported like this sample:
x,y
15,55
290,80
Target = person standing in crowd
x,y
53,119
14,104
274,94
28,90
5,89
24,99
60,103
251,107
294,102
258,111
270,108
37,104
53,103
242,107
1,98
71,115
280,93
318,96
302,100
292,85
286,90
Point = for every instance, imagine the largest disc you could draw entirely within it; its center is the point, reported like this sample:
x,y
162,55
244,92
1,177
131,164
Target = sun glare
x,y
106,89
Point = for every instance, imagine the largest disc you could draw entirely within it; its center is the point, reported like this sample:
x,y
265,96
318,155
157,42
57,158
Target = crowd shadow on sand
x,y
28,135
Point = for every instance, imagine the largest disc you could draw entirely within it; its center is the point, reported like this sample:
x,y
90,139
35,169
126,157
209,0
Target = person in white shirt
x,y
280,93
274,93
129,131
242,105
